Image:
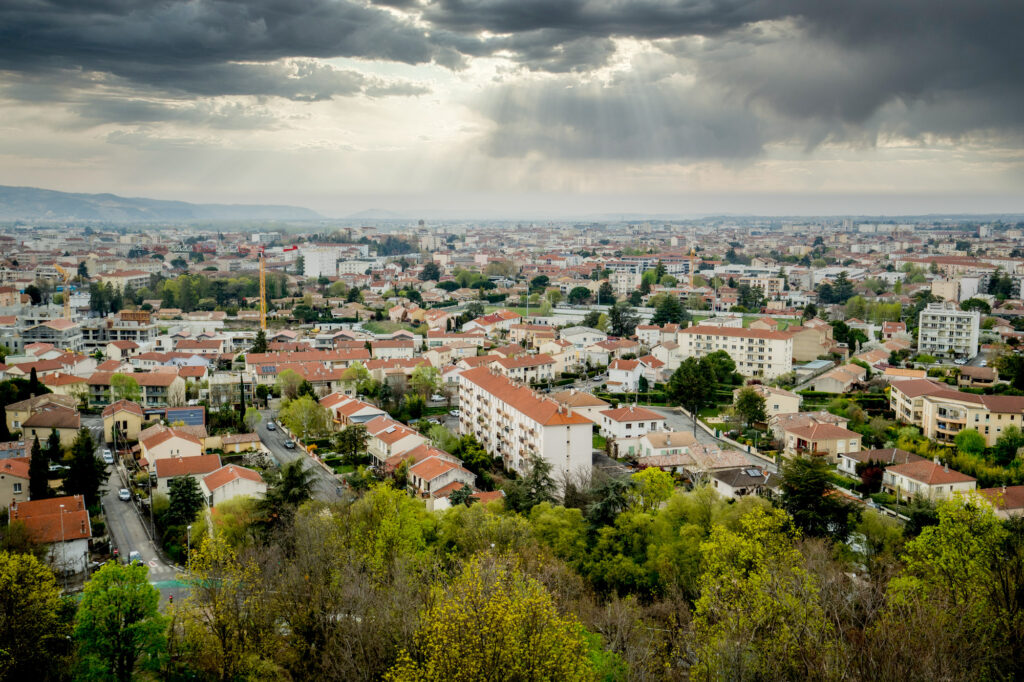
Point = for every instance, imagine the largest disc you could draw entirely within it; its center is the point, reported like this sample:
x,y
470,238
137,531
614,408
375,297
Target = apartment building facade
x,y
942,412
944,329
756,352
514,423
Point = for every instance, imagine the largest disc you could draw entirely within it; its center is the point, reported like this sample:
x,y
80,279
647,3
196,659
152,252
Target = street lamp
x,y
188,551
63,550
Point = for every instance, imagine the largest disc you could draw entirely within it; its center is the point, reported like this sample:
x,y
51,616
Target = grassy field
x,y
386,326
521,311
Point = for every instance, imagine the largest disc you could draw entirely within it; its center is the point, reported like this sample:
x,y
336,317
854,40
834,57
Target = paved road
x,y
325,486
125,525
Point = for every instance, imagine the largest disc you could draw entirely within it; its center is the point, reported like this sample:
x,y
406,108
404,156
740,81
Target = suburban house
x,y
13,481
630,422
63,524
195,466
528,369
240,442
927,479
887,457
839,379
230,481
389,437
128,418
624,375
19,412
48,418
587,404
1007,501
162,442
740,482
819,439
776,400
662,443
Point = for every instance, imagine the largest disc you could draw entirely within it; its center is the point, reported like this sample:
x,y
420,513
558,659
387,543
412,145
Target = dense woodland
x,y
632,580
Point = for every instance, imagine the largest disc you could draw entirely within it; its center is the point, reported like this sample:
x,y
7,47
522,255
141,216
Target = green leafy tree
x,y
812,501
305,417
33,635
186,501
86,473
651,488
288,383
592,319
124,387
534,487
260,344
54,451
622,319
750,406
579,295
668,309
692,385
252,418
605,293
493,622
430,271
759,615
425,380
351,443
263,393
292,488
1008,445
119,625
463,496
969,441
723,367
38,473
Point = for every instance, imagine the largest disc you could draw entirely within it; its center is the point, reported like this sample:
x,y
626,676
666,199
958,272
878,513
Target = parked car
x,y
124,495
54,468
431,420
454,413
290,444
134,557
271,426
108,458
437,398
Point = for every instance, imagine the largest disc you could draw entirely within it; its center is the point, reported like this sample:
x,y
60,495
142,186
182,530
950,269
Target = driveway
x,y
325,486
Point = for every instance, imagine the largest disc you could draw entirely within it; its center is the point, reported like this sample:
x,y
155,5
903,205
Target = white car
x,y
454,413
124,495
108,458
437,398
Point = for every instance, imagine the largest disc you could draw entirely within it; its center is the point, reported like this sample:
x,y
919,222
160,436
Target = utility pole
x,y
63,550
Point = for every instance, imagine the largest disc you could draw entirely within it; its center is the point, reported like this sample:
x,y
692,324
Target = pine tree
x,y
38,470
53,449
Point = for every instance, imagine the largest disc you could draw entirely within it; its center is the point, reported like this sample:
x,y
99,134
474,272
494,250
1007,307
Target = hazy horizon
x,y
521,107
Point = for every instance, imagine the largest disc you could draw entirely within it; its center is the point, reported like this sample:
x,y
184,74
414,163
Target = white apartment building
x,y
756,352
514,422
320,261
944,329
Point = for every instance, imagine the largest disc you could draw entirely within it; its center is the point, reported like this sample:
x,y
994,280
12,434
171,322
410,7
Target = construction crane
x,y
67,290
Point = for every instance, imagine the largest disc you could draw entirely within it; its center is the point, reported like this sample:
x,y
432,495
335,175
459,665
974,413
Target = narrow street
x,y
325,486
125,526
677,421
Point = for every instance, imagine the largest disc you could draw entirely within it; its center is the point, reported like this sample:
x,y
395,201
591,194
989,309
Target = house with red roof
x,y
13,481
195,466
821,439
630,421
928,479
63,524
231,481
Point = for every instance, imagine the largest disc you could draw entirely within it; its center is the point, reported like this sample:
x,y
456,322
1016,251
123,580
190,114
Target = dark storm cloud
x,y
210,47
652,121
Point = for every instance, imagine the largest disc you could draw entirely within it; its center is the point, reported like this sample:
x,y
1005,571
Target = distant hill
x,y
31,203
376,214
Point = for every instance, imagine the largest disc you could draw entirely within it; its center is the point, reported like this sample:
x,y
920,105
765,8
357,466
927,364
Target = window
x,y
17,488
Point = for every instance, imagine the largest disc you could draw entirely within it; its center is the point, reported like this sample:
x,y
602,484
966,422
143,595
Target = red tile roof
x,y
930,473
228,473
14,466
48,523
186,466
632,414
543,411
123,405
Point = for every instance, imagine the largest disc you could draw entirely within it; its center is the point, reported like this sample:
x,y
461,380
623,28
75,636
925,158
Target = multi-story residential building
x,y
942,412
757,353
944,329
515,423
128,325
529,369
122,279
159,389
63,334
770,286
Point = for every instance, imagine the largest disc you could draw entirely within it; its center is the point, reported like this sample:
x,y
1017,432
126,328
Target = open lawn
x,y
386,326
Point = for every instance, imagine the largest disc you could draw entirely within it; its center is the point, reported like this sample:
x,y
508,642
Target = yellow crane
x,y
67,290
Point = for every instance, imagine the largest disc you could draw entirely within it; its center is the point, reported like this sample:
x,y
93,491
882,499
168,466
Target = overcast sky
x,y
566,106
